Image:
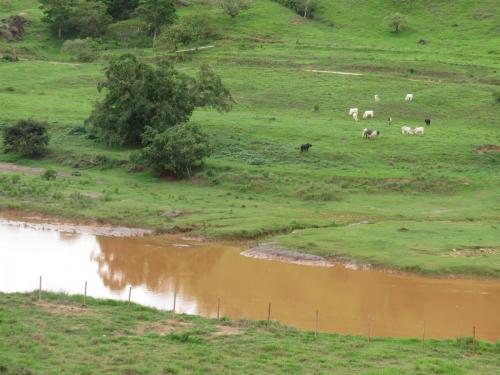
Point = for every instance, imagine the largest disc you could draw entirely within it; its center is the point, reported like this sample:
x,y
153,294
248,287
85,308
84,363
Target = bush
x,y
178,150
49,174
130,33
189,29
82,49
304,8
396,22
26,137
233,7
496,97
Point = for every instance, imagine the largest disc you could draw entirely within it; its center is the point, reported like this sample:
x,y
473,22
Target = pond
x,y
205,276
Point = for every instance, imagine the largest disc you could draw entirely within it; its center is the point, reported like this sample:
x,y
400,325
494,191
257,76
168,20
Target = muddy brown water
x,y
201,273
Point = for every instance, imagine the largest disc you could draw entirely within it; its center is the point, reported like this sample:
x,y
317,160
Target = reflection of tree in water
x,y
142,261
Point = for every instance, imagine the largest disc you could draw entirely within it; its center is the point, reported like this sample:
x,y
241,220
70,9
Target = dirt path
x,y
11,167
334,72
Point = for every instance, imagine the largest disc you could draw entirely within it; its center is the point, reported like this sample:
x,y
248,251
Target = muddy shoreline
x,y
42,222
269,251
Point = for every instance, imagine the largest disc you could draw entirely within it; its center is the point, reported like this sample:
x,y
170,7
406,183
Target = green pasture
x,y
257,184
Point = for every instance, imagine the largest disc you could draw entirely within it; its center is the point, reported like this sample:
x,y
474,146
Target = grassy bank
x,y
257,184
58,335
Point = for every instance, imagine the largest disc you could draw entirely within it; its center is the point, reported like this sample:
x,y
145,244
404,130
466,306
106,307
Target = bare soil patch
x,y
334,72
162,327
474,251
227,331
484,149
62,309
11,167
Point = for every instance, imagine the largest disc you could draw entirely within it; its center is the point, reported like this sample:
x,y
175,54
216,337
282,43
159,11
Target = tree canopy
x,y
158,97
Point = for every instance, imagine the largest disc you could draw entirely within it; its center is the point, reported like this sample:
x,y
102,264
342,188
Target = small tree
x,y
157,13
26,137
178,150
189,29
121,9
90,18
57,13
233,7
396,22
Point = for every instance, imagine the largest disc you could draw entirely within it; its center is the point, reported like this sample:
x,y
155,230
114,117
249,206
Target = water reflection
x,y
202,273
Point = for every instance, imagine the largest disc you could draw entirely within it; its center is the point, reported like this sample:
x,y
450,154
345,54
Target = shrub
x,y
178,150
496,97
304,8
49,174
130,33
396,22
233,7
189,29
26,137
83,49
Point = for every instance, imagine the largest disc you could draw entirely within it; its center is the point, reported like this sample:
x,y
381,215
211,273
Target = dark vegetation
x,y
26,137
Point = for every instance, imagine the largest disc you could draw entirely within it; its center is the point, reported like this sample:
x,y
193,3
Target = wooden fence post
x,y
85,295
218,308
40,289
129,295
423,334
269,314
370,329
317,318
175,301
474,338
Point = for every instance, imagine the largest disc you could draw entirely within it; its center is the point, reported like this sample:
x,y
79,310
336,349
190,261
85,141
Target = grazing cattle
x,y
352,111
419,131
305,147
368,114
428,121
409,97
367,133
376,97
355,116
406,130
389,120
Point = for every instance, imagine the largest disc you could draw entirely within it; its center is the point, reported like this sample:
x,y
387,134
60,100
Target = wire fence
x,y
317,321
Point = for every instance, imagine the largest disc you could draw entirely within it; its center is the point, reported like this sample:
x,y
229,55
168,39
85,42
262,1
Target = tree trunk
x,y
60,32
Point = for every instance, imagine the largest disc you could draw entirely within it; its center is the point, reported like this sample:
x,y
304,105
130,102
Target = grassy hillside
x,y
58,335
257,184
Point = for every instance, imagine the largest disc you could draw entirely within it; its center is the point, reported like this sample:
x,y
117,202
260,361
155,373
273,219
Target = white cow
x,y
355,116
367,133
352,111
368,114
406,130
419,131
376,97
409,97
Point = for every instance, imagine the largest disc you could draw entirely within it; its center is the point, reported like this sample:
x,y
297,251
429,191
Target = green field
x,y
58,335
257,185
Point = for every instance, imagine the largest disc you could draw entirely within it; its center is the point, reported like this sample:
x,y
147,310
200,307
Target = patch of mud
x,y
484,149
172,214
475,251
11,167
297,21
95,230
268,252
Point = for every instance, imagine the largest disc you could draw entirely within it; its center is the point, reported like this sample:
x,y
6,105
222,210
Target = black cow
x,y
428,121
305,147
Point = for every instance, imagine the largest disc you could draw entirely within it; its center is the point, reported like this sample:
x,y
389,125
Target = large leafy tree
x,y
141,96
121,9
396,22
157,13
76,17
